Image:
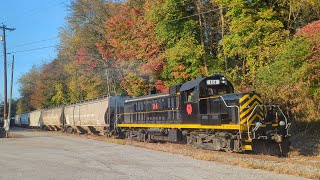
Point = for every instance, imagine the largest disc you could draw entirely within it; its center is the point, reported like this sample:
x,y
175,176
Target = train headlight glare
x,y
258,124
282,123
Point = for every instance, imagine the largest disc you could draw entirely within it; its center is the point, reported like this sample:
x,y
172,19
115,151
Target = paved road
x,y
42,155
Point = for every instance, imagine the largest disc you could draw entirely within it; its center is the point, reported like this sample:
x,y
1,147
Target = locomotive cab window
x,y
191,95
215,90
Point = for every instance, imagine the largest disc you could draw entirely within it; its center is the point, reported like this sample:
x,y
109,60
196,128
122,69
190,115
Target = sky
x,y
37,24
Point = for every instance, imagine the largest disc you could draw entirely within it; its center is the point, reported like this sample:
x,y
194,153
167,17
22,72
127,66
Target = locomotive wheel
x,y
107,134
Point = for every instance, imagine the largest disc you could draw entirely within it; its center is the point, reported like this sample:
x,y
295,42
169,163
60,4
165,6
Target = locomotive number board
x,y
213,82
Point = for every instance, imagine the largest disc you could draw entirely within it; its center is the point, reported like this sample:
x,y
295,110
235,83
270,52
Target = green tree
x,y
297,13
255,36
182,48
22,106
292,80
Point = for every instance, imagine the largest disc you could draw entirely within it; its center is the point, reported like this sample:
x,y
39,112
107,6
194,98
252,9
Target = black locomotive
x,y
207,113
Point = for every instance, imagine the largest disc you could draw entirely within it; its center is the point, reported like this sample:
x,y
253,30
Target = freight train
x,y
205,113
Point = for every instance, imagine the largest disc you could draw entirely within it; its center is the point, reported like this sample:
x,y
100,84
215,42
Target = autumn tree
x,y
131,46
135,46
293,79
27,89
84,28
84,78
50,86
311,32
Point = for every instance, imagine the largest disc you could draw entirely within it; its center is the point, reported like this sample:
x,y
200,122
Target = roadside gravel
x,y
46,155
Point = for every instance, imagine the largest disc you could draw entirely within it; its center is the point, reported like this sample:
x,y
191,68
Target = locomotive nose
x,y
250,108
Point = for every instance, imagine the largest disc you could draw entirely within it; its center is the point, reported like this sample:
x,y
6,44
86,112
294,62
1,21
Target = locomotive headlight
x,y
258,124
223,80
282,123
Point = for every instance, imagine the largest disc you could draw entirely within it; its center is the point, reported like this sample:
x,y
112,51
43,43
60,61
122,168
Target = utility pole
x,y
5,28
10,101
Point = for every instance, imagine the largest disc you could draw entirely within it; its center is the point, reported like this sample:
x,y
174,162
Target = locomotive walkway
x,y
47,155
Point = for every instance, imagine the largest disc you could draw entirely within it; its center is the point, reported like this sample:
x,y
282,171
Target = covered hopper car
x,y
94,116
35,119
52,118
22,120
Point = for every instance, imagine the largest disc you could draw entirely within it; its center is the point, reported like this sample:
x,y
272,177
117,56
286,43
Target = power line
x,y
33,11
45,47
212,10
35,42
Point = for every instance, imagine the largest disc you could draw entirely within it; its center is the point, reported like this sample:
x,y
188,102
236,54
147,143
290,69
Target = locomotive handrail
x,y
248,127
115,124
233,106
256,128
285,117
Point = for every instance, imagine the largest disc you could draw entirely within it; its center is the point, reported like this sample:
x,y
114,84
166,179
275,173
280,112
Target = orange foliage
x,y
83,62
131,42
161,87
134,85
179,72
312,32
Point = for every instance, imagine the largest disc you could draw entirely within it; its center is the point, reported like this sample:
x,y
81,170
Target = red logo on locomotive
x,y
154,106
189,109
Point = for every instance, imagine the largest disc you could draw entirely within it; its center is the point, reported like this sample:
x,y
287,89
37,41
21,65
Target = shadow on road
x,y
2,132
15,132
306,138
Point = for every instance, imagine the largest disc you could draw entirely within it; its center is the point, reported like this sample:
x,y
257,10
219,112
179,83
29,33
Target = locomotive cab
x,y
201,103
